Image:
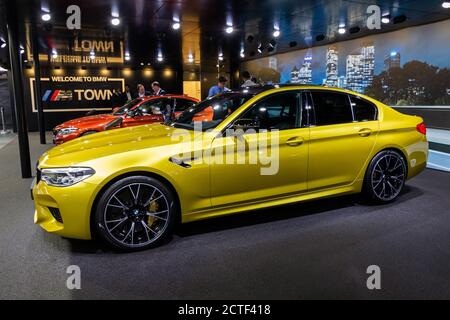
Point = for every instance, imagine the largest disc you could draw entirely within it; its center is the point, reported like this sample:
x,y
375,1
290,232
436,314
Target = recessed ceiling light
x,y
276,33
3,45
385,19
342,30
242,54
46,16
229,29
176,25
115,21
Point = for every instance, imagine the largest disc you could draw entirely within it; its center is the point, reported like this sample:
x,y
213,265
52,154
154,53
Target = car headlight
x,y
67,130
64,177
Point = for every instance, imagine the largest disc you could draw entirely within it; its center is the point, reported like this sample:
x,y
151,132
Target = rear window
x,y
331,108
363,110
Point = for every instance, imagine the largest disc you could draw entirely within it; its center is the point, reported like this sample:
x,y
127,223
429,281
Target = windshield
x,y
127,106
212,111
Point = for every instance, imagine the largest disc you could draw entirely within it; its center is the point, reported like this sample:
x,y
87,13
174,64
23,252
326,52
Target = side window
x,y
145,108
331,108
276,112
363,110
183,104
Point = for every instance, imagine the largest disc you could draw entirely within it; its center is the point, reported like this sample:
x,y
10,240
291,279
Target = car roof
x,y
181,96
261,88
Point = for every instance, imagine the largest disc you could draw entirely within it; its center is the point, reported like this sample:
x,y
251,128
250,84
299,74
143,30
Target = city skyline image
x,y
362,64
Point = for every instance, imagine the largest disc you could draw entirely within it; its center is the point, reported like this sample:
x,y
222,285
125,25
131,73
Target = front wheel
x,y
385,176
135,213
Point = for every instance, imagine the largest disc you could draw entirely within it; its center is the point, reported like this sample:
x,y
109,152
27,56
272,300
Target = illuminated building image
x,y
392,60
332,67
305,73
295,75
360,69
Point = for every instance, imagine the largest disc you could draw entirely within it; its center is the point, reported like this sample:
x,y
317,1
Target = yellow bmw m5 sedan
x,y
237,151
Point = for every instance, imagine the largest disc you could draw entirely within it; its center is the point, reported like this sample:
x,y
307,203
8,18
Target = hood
x,y
89,121
112,142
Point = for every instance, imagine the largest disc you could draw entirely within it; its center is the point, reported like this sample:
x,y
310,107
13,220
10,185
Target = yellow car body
x,y
331,160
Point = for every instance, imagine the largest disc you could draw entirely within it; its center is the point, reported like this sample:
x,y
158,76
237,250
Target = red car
x,y
134,113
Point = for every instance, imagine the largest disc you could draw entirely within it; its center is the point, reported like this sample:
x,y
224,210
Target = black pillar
x,y
37,81
15,61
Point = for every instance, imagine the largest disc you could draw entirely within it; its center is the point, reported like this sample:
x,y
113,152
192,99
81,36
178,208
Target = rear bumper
x,y
64,211
417,157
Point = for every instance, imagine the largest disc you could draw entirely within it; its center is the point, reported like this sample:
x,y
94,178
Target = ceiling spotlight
x,y
160,57
190,58
229,29
127,56
385,19
46,17
276,33
92,55
22,50
242,54
115,21
142,63
176,25
342,30
446,4
3,45
54,54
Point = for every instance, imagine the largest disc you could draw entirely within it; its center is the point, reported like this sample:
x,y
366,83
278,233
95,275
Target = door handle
x,y
365,132
295,141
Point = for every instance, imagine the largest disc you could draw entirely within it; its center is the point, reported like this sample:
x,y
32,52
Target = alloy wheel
x,y
388,176
137,214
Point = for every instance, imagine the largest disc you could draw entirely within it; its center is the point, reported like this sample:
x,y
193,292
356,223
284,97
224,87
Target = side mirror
x,y
245,124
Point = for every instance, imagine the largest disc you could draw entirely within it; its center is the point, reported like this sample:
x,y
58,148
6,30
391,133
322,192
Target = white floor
x,y
6,138
438,136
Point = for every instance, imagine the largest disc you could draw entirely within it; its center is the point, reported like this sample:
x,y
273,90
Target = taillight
x,y
421,128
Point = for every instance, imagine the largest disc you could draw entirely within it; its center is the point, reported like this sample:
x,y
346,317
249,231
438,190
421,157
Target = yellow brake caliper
x,y
153,207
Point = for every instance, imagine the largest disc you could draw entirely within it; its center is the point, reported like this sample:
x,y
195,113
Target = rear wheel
x,y
385,176
135,213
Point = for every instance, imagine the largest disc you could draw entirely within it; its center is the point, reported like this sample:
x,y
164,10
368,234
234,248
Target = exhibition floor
x,y
314,250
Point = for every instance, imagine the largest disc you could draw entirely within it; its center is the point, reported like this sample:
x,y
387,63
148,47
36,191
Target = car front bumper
x,y
64,211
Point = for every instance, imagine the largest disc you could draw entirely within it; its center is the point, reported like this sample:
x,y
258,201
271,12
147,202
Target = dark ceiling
x,y
146,25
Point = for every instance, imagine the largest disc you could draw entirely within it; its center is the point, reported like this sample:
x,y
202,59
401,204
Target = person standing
x,y
127,96
141,91
157,90
219,88
247,80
